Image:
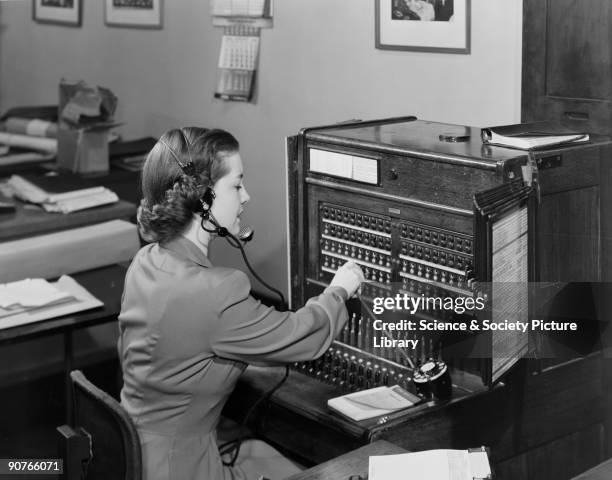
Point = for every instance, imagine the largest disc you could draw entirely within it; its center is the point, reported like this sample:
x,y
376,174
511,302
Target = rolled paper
x,y
32,127
33,143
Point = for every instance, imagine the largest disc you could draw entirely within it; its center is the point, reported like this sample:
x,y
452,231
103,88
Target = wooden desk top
x,y
106,284
30,220
603,471
352,463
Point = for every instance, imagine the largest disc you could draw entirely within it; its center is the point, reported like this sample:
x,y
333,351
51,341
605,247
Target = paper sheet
x,y
83,300
431,465
30,292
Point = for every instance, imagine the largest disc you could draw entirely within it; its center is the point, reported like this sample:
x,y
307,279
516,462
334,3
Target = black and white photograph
x,y
441,26
133,13
425,10
306,240
67,12
146,4
57,3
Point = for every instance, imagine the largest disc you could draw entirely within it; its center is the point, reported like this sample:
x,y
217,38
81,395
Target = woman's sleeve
x,y
248,331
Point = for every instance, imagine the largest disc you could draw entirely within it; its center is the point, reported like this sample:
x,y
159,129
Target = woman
x,y
189,328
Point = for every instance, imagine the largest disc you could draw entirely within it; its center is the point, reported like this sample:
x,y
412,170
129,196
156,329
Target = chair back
x,y
114,441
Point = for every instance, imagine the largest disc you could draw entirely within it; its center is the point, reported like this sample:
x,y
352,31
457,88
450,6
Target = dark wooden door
x,y
567,63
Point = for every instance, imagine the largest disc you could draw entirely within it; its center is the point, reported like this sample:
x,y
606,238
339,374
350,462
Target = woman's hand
x,y
349,276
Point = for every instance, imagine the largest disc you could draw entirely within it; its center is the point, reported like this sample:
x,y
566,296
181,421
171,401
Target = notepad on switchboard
x,y
471,464
373,402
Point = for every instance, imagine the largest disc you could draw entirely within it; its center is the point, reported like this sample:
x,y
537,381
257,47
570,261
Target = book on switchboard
x,y
444,464
534,136
373,402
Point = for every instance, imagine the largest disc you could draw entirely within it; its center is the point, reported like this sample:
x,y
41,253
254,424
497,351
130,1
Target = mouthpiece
x,y
246,234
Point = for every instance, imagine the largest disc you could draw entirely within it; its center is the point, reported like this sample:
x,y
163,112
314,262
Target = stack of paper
x,y
373,402
33,300
472,464
29,294
71,199
543,135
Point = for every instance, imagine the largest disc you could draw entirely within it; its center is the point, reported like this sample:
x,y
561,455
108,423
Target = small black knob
x,y
392,174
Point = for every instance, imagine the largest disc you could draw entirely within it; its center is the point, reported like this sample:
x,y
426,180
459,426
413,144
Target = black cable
x,y
236,243
259,279
237,443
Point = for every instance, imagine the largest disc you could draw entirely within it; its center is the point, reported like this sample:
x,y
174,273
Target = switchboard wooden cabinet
x,y
394,197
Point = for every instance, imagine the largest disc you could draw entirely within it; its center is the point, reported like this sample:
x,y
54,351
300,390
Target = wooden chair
x,y
103,442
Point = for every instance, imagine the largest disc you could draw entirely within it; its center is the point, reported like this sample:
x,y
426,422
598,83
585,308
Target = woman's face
x,y
230,195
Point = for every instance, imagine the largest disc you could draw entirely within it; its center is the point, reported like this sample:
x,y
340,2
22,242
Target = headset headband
x,y
187,168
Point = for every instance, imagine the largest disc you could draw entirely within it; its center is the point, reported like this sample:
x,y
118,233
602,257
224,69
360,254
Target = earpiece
x,y
206,201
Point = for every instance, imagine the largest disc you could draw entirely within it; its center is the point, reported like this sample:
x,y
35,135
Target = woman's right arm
x,y
248,331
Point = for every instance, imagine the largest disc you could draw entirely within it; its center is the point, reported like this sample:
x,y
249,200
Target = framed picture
x,y
423,25
133,13
66,12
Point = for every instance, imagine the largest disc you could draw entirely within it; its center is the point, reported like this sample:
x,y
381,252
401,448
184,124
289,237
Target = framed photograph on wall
x,y
64,12
133,13
441,26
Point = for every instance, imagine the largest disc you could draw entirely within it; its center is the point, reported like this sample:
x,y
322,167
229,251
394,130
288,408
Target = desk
x,y
512,418
30,220
352,463
603,471
106,284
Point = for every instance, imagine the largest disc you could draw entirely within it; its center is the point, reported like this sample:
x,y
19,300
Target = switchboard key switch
x,y
337,357
385,376
345,360
360,367
345,333
352,364
377,375
353,337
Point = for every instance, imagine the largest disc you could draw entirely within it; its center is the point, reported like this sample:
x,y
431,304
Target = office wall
x,y
317,65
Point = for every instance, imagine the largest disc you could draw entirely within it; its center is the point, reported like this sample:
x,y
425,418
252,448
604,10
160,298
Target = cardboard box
x,y
83,150
85,118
